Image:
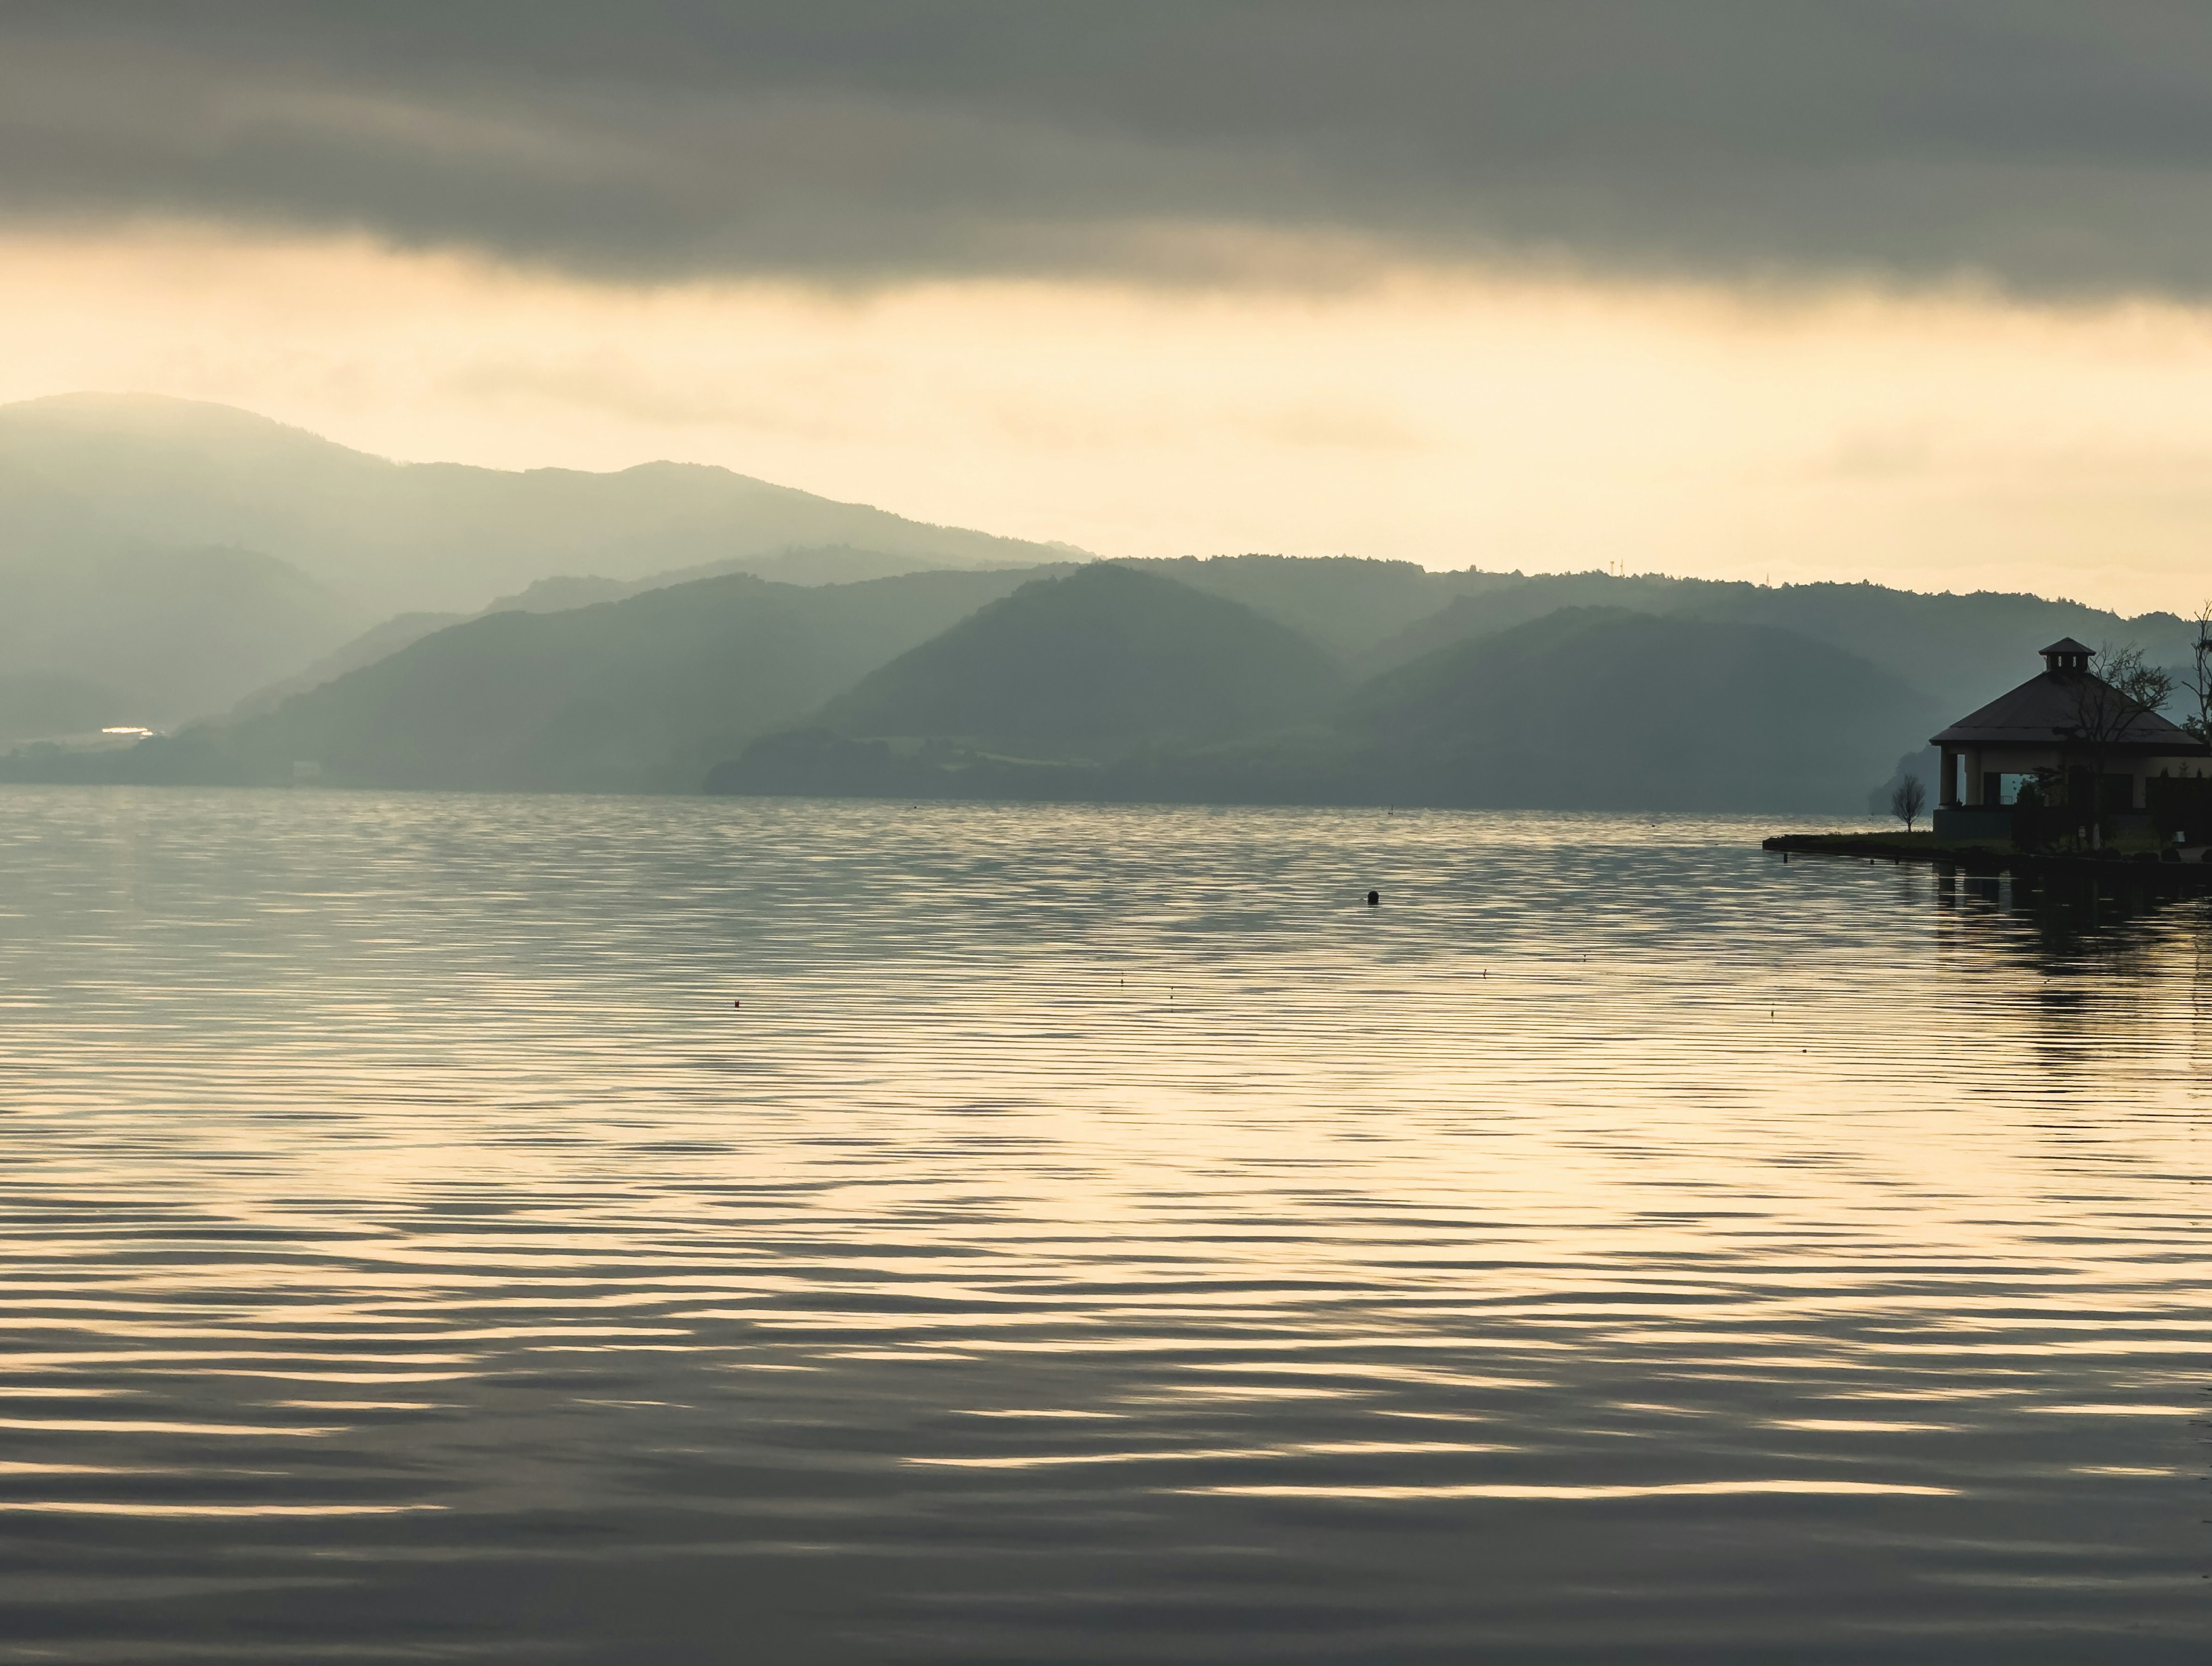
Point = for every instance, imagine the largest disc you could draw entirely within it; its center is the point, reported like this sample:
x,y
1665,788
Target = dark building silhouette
x,y
2044,745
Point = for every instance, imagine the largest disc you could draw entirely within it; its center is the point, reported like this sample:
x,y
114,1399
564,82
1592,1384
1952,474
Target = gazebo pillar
x,y
1947,782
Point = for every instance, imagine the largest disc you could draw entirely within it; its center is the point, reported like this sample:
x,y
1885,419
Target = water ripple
x,y
447,1227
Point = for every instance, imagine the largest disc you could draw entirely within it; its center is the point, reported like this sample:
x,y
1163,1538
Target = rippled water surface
x,y
1097,1237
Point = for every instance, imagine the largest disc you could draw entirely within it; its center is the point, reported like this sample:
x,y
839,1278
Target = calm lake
x,y
1097,1237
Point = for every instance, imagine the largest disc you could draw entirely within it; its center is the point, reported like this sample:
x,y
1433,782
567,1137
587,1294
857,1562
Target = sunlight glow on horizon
x,y
1944,440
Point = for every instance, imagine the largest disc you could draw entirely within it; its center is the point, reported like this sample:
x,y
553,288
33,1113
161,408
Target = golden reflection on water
x,y
1096,1235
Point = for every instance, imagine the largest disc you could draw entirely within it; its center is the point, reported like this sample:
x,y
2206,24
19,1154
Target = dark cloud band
x,y
2040,146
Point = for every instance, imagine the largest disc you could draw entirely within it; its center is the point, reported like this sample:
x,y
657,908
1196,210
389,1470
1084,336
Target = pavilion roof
x,y
2041,710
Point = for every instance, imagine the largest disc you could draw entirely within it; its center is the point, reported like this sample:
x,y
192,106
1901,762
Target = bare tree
x,y
1907,799
2107,702
2199,680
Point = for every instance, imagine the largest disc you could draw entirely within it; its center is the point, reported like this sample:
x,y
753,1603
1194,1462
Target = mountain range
x,y
1117,683
162,558
667,628
643,694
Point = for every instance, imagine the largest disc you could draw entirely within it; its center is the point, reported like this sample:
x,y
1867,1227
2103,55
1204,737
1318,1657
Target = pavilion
x,y
2049,738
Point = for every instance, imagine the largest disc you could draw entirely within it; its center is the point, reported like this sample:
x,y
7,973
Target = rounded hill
x,y
1092,665
1602,708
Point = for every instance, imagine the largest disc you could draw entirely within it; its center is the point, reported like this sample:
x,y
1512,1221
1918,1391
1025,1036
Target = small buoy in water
x,y
1373,897
737,1003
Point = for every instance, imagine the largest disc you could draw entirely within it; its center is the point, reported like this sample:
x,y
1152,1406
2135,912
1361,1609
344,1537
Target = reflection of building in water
x,y
2038,751
2102,922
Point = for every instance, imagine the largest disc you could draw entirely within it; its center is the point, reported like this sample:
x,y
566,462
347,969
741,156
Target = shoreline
x,y
2138,868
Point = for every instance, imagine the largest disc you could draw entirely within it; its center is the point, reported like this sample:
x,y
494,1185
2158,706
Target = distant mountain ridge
x,y
1596,708
805,567
151,637
639,695
1094,663
669,625
1959,648
1165,680
1609,708
423,536
167,558
832,563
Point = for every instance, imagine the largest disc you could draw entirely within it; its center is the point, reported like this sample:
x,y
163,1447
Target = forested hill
x,y
1961,648
1607,709
1598,709
641,695
1092,665
1249,677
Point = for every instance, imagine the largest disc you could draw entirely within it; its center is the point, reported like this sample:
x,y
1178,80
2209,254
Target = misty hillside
x,y
162,560
1374,615
116,634
1119,681
642,694
380,641
1346,604
1607,708
1598,709
1092,665
836,564
85,471
833,564
830,563
1961,649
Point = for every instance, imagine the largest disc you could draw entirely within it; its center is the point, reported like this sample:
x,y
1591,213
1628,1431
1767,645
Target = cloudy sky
x,y
1915,292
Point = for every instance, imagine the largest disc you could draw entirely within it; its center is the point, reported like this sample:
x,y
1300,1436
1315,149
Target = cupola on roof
x,y
2048,711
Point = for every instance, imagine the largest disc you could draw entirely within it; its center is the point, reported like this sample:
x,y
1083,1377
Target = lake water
x,y
1097,1237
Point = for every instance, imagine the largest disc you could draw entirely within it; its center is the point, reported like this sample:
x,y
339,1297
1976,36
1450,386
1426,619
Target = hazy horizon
x,y
1719,290
1989,581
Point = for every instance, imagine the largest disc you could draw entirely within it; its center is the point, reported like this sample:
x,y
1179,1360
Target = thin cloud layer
x,y
2040,146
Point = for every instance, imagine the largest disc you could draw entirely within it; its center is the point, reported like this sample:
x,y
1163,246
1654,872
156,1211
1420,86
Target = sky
x,y
1915,292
